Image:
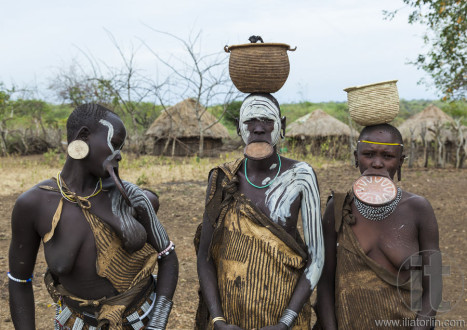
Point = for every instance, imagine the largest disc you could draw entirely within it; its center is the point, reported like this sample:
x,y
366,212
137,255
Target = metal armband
x,y
288,318
160,316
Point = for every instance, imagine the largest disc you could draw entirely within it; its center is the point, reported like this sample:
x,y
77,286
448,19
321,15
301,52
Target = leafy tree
x,y
5,116
446,36
233,112
76,85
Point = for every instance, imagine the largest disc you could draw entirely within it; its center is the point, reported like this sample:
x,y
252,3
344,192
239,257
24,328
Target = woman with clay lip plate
x,y
102,239
382,261
254,269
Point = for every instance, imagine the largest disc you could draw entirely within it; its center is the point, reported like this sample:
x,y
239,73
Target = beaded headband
x,y
383,143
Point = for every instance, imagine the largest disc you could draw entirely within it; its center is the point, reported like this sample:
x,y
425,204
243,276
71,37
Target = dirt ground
x,y
182,208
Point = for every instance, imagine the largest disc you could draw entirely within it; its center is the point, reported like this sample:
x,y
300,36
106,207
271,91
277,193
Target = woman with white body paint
x,y
102,238
254,269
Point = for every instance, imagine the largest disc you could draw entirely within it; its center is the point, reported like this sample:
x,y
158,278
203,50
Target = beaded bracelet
x,y
18,280
167,250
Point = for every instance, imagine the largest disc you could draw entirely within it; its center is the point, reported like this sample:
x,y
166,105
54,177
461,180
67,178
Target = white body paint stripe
x,y
110,135
125,213
265,181
300,179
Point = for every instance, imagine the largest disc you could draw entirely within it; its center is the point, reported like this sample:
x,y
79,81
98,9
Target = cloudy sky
x,y
340,43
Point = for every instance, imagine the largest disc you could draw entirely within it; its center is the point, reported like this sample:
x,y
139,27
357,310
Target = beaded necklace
x,y
73,197
378,213
270,182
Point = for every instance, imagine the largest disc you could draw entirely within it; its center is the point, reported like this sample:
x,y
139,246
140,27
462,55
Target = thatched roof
x,y
429,118
317,124
179,121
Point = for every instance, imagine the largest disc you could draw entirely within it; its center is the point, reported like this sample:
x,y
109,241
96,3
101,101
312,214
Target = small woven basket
x,y
373,104
259,67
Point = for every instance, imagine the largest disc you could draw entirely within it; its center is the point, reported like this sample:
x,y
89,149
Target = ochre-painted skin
x,y
259,129
411,228
71,253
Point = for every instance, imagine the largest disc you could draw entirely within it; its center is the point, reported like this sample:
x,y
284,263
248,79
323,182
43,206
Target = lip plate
x,y
374,190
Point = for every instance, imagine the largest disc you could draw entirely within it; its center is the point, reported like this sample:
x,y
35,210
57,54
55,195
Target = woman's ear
x,y
83,133
237,123
283,126
402,160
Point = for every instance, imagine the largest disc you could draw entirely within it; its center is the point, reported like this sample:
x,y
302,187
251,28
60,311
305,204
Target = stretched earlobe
x,y
78,149
399,175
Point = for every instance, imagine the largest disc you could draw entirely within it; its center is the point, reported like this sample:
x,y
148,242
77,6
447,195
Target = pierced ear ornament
x,y
78,149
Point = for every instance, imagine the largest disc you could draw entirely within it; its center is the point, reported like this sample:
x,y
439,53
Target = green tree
x,y
446,38
233,112
6,115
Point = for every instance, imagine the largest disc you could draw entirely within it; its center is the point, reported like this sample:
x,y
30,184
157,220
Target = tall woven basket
x,y
259,67
374,103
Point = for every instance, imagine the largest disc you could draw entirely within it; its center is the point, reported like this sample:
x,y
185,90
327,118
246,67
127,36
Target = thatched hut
x,y
429,120
318,132
176,132
430,133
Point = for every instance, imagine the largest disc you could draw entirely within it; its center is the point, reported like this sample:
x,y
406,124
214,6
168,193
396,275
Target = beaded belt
x,y
135,319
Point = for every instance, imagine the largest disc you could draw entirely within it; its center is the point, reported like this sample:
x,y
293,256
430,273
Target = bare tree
x,y
437,132
352,143
412,147
124,89
76,84
203,77
423,131
460,140
129,88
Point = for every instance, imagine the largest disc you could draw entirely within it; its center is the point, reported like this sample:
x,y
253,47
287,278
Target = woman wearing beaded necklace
x,y
102,239
376,254
254,269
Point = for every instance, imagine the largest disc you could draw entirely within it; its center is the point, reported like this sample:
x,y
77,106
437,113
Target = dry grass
x,y
18,174
182,183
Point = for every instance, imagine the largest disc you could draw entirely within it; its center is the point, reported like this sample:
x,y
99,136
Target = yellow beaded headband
x,y
383,143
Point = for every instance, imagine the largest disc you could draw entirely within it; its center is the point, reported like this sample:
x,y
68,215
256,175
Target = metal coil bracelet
x,y
288,318
160,317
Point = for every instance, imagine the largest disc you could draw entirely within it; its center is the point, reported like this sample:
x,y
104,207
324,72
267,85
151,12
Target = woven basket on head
x,y
373,104
259,68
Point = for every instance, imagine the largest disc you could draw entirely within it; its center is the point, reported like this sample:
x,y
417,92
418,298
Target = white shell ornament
x,y
78,149
375,190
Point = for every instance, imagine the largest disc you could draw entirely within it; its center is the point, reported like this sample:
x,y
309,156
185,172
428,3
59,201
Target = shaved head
x,y
394,132
369,131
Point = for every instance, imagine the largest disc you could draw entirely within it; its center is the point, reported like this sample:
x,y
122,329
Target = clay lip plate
x,y
375,190
258,150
